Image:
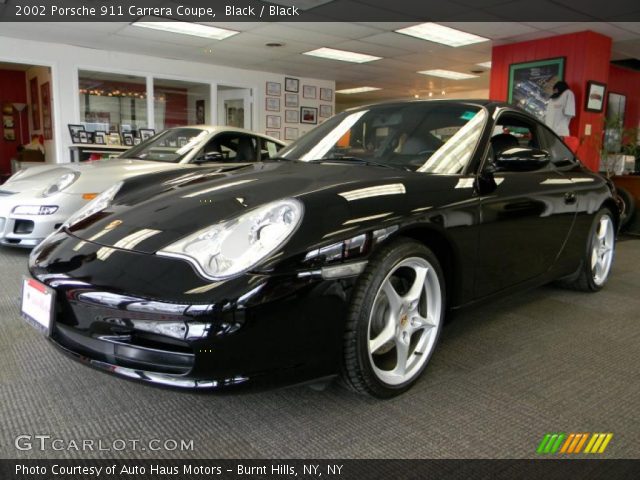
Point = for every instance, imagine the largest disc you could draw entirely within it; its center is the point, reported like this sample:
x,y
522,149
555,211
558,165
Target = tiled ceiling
x,y
395,73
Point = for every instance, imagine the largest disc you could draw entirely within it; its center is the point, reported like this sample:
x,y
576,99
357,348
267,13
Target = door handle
x,y
570,198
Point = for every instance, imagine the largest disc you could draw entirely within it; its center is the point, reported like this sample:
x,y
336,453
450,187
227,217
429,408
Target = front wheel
x,y
599,254
395,319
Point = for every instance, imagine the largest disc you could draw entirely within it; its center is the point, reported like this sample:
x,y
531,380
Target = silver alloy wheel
x,y
403,325
602,250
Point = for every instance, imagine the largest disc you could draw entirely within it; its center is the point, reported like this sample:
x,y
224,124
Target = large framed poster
x,y
35,103
47,123
531,84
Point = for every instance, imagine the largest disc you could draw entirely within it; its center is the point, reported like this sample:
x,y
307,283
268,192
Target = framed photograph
x,y
7,121
273,133
146,133
47,123
127,139
290,133
326,94
83,137
309,115
595,96
291,84
137,140
272,104
35,103
100,137
274,89
74,131
616,106
309,91
291,100
274,121
9,134
531,84
326,111
200,117
291,116
114,139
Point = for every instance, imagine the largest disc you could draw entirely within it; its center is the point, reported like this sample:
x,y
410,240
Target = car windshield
x,y
169,146
431,137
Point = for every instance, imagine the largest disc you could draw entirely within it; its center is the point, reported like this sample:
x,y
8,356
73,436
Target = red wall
x,y
587,55
13,89
627,82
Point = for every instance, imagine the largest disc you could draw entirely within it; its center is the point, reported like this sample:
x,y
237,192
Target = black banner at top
x,y
320,10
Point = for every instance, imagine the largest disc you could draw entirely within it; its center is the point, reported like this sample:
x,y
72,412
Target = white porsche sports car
x,y
36,201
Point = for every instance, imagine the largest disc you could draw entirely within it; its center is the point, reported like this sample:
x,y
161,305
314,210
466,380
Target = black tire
x,y
629,207
360,372
586,279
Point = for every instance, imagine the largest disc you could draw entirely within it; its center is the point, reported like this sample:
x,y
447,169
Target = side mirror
x,y
519,159
213,156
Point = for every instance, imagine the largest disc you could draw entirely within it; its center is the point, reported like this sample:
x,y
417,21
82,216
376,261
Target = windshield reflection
x,y
169,146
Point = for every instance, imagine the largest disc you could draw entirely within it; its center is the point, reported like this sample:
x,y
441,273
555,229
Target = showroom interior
x,y
505,372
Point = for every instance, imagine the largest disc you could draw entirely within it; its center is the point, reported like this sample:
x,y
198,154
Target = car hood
x,y
94,176
336,198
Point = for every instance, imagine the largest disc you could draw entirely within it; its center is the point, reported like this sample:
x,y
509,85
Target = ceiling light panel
x,y
434,32
484,64
186,28
342,55
349,91
451,75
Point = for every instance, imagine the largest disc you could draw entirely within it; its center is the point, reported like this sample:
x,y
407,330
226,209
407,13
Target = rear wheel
x,y
395,319
629,209
599,254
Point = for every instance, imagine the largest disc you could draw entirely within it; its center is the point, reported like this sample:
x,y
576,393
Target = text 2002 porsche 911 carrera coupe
x,y
339,257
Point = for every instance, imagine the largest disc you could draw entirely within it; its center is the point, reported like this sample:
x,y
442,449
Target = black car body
x,y
489,218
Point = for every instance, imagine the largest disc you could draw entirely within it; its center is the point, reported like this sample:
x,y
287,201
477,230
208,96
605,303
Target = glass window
x,y
112,102
233,147
431,137
559,152
269,149
177,103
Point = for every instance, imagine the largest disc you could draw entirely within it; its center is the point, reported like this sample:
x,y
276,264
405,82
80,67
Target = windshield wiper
x,y
350,159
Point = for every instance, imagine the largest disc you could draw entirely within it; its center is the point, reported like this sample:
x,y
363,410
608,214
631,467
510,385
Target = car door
x,y
526,218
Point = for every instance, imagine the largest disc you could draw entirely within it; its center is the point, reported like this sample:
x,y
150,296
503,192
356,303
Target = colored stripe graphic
x,y
573,443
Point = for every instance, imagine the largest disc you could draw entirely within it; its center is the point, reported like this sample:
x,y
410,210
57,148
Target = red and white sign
x,y
37,304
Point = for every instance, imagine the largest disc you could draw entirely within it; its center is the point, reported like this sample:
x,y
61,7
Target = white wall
x,y
66,60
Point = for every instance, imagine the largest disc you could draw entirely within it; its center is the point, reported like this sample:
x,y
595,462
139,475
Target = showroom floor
x,y
504,375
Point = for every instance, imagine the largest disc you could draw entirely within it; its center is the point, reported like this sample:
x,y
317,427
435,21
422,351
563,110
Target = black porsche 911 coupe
x,y
340,257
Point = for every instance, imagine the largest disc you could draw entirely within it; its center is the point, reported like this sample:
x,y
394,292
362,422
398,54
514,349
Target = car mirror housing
x,y
521,159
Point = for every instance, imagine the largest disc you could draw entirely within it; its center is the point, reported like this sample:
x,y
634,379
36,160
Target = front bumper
x,y
255,330
27,231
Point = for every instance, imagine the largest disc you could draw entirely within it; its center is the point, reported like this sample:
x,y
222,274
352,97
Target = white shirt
x,y
559,113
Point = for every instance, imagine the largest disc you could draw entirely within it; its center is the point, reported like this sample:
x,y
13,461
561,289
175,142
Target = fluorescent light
x,y
342,55
451,75
485,64
186,28
349,91
434,32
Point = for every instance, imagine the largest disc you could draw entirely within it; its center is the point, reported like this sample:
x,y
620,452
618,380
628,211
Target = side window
x,y
514,131
233,147
269,149
559,152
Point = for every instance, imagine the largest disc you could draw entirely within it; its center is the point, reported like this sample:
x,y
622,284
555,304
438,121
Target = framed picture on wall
x,y
531,84
274,88
273,133
74,131
291,100
308,115
272,104
291,116
114,139
326,111
309,91
127,139
274,121
47,123
594,101
200,116
137,140
146,133
35,103
290,133
291,84
83,137
326,94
